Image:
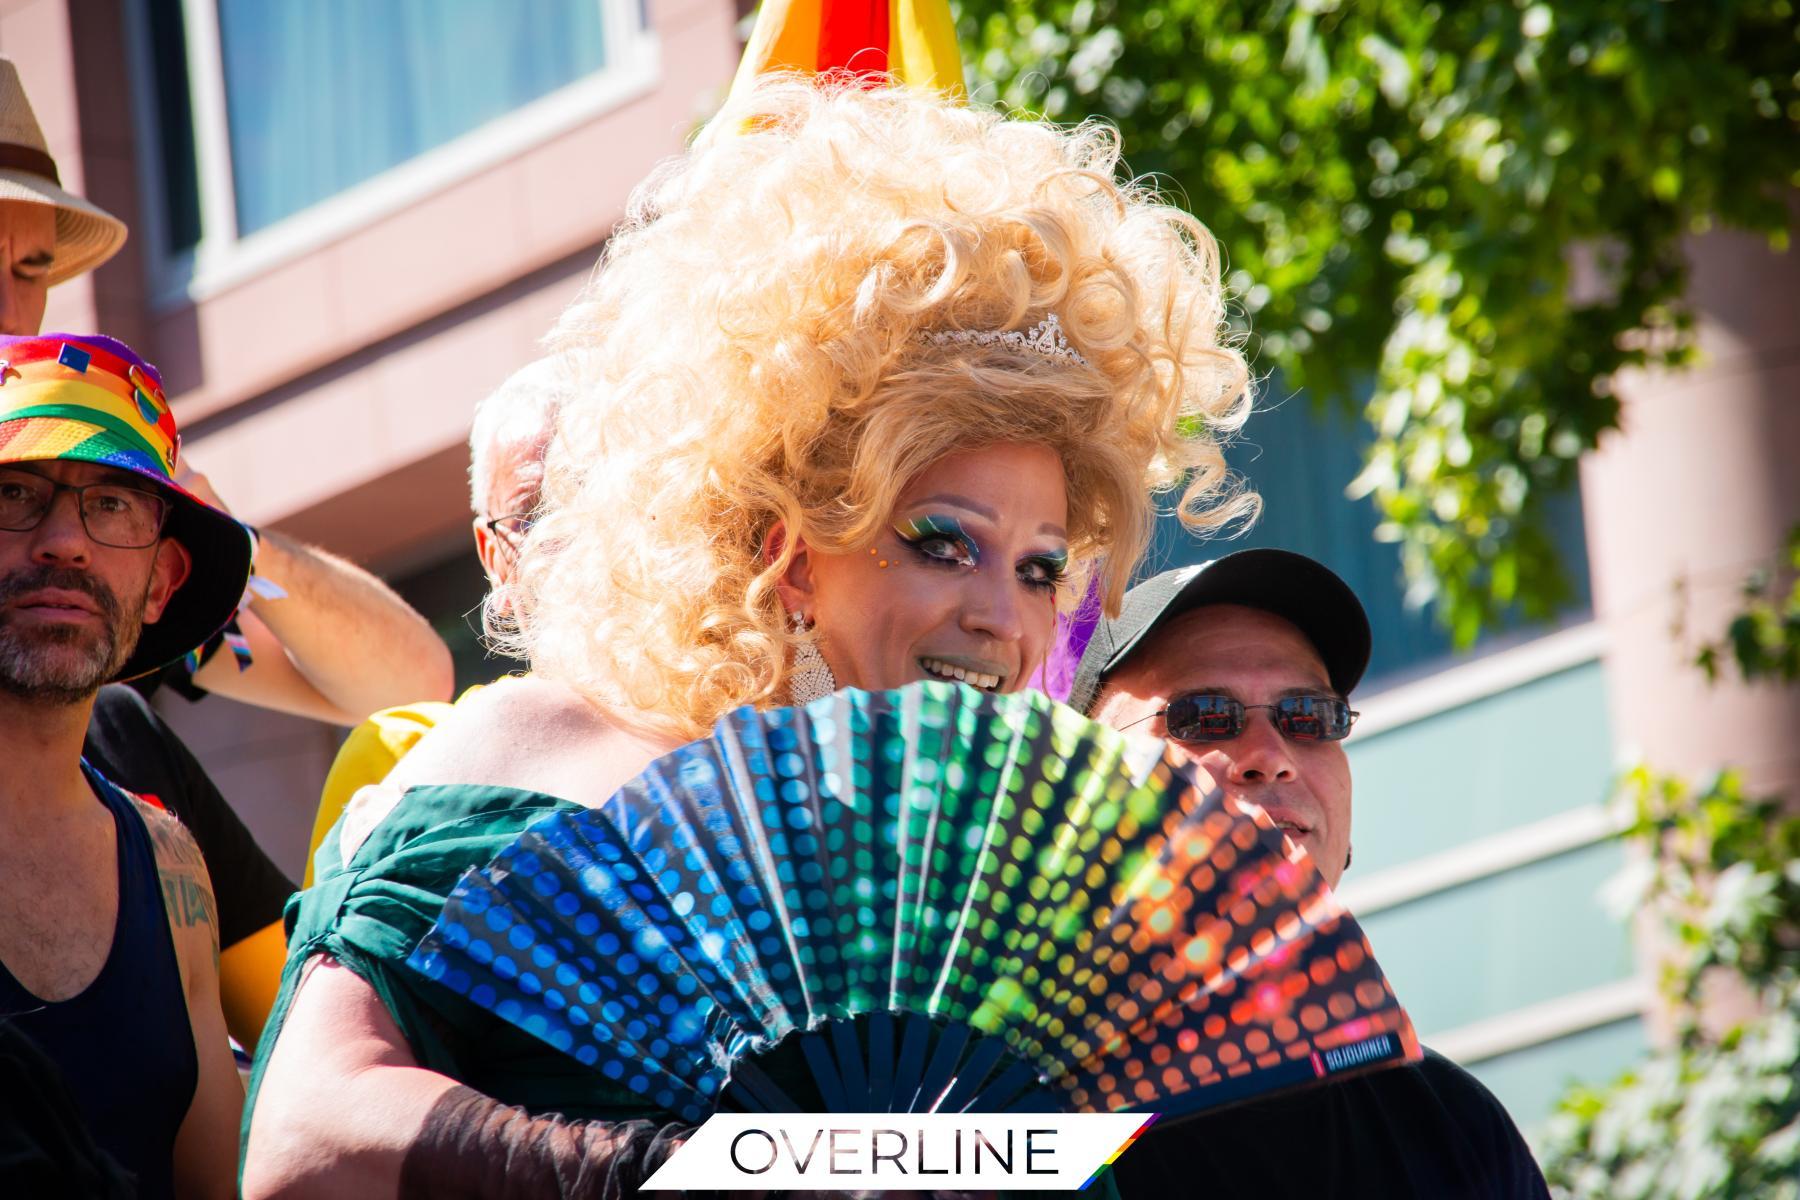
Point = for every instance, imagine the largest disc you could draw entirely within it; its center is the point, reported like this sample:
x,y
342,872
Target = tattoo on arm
x,y
188,900
187,888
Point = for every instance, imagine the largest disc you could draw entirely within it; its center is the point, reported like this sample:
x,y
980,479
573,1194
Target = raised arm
x,y
345,1110
340,645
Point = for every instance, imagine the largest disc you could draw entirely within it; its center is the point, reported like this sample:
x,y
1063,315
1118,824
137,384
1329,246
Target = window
x,y
1299,457
1405,811
1523,937
1529,1081
174,126
267,109
323,95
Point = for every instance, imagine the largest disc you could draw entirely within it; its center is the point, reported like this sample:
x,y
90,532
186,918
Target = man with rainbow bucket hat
x,y
108,929
327,641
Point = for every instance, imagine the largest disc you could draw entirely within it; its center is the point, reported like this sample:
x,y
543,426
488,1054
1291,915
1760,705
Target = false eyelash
x,y
923,529
1056,570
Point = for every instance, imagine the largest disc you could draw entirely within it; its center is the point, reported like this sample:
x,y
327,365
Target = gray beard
x,y
66,665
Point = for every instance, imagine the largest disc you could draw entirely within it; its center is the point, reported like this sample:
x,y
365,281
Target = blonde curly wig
x,y
751,351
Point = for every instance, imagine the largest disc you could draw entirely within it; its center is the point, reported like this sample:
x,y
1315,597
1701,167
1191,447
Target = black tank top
x,y
125,1045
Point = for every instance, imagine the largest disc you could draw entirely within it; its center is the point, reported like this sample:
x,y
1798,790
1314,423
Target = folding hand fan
x,y
931,899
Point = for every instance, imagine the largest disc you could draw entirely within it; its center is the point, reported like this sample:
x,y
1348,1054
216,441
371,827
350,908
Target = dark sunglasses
x,y
1215,717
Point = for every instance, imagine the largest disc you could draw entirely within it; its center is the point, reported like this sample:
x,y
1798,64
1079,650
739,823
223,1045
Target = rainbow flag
x,y
89,398
913,41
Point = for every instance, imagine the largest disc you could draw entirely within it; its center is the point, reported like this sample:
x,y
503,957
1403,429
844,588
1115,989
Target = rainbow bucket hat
x,y
88,398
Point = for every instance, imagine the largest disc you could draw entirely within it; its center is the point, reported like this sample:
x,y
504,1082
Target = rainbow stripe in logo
x,y
1123,1147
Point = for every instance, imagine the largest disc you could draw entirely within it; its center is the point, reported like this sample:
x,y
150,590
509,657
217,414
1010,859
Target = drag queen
x,y
870,385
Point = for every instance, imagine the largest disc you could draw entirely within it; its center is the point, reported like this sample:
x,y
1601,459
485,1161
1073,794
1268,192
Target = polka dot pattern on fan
x,y
1052,903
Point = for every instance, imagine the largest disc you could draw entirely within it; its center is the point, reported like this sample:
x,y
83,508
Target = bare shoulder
x,y
175,847
537,735
529,733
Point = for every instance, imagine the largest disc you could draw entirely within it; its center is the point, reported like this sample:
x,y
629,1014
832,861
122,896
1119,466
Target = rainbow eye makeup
x,y
940,538
1044,572
1055,564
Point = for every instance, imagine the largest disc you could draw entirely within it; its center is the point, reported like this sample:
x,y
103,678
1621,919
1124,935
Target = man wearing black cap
x,y
1246,664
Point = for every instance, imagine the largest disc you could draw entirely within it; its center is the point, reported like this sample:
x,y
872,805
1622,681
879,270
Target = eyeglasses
x,y
512,527
1214,717
116,515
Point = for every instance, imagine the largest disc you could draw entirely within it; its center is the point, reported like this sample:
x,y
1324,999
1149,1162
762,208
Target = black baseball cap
x,y
1300,590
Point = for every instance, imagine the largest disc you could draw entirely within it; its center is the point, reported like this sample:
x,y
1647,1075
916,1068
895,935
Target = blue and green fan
x,y
925,900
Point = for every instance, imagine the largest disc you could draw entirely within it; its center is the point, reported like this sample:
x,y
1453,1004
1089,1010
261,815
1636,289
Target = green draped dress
x,y
370,912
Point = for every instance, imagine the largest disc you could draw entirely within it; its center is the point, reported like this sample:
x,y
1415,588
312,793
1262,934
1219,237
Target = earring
x,y
1349,853
810,677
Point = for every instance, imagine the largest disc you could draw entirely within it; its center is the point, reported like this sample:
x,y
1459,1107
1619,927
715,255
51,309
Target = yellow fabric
x,y
368,754
249,976
922,49
785,37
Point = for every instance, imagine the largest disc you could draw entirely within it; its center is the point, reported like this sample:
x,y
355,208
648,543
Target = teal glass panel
x,y
1496,764
174,123
1521,937
1299,457
323,94
1529,1081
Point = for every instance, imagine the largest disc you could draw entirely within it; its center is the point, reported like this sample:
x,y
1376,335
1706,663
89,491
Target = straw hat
x,y
86,235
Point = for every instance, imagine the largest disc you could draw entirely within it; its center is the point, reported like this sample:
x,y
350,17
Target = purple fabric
x,y
97,341
1073,630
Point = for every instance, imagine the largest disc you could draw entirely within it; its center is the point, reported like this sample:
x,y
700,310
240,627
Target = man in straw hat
x,y
330,642
108,933
48,235
351,645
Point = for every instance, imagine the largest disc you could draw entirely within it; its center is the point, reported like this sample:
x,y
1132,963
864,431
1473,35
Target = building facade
x,y
1484,779
350,222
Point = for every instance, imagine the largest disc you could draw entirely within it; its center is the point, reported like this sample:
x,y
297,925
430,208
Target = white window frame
x,y
1463,679
222,260
1483,857
1546,1021
1487,857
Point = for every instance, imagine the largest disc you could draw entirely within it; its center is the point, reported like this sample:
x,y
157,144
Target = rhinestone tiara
x,y
1045,338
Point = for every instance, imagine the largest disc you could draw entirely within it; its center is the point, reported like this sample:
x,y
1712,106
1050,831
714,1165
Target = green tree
x,y
1763,640
1477,209
1716,1114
